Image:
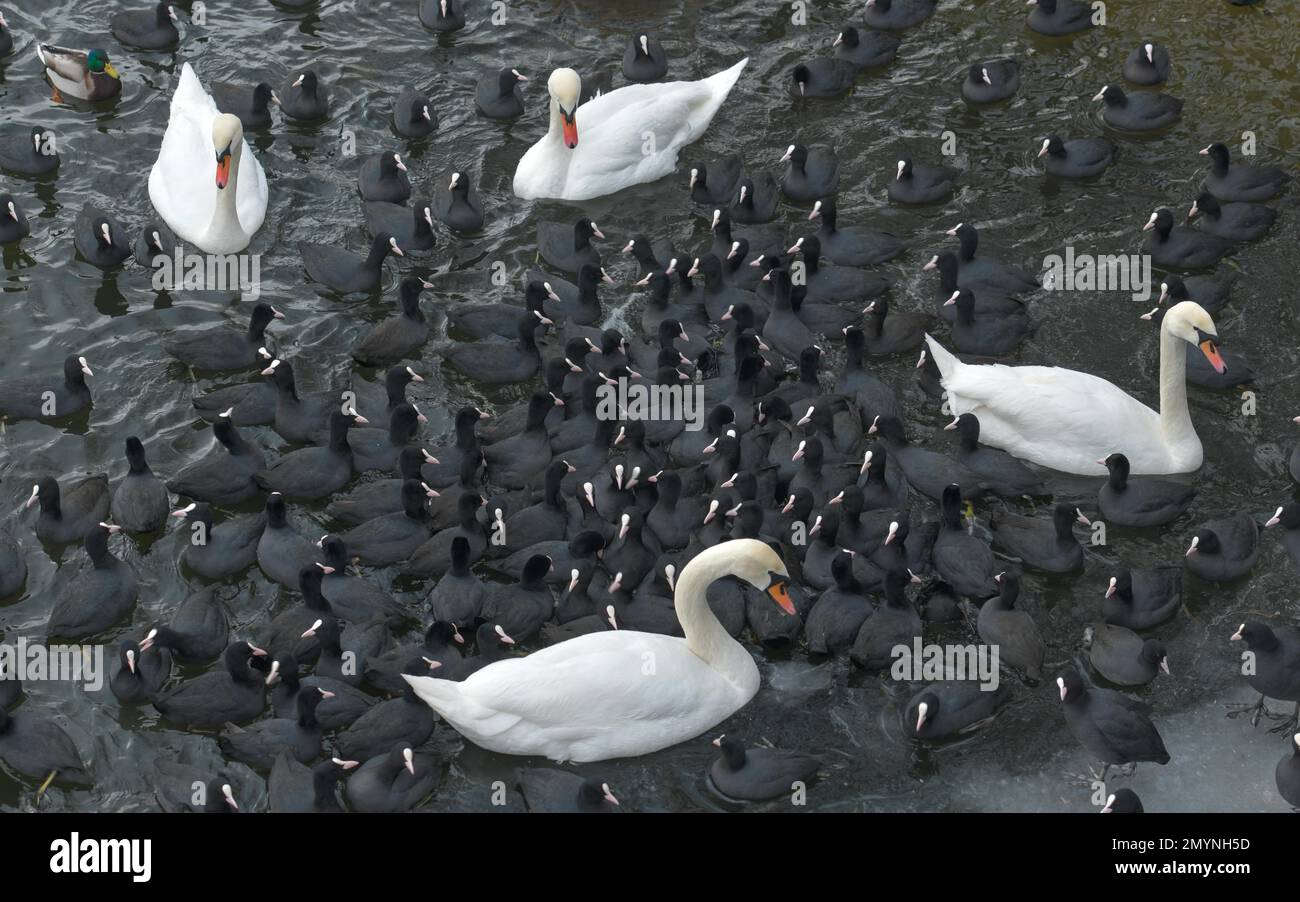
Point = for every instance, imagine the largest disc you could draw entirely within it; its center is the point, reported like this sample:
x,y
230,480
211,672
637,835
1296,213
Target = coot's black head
x,y
535,570
1121,584
1288,515
775,409
96,542
1162,221
1118,467
1113,95
419,666
890,428
443,634
1071,685
927,709
262,96
586,544
1257,636
968,429
262,315
1008,588
1123,801
733,751
243,658
1218,154
335,552
590,275
1173,287
1154,652
594,795
1054,145
309,583
1063,519
1205,541
75,370
583,231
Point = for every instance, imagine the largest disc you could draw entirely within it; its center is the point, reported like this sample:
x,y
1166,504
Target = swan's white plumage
x,y
589,698
1068,420
182,184
611,153
614,694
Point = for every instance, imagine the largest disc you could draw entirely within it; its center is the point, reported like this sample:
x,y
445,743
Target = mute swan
x,y
628,136
218,215
1068,420
619,693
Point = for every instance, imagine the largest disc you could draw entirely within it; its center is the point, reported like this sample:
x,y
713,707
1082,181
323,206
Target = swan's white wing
x,y
593,696
1056,417
176,185
251,192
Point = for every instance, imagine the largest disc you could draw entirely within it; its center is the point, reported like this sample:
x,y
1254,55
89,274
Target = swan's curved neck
x,y
1175,419
705,635
224,227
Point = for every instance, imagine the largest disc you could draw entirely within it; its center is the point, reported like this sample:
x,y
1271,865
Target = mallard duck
x,y
84,74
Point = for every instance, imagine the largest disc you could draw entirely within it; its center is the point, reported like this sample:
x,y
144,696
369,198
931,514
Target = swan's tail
x,y
188,88
443,696
721,83
943,359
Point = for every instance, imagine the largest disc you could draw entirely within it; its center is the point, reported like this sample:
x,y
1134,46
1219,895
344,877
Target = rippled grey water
x,y
1236,69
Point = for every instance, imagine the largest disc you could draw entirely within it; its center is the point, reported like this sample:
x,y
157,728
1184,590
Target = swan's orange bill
x,y
223,169
570,129
781,596
1211,352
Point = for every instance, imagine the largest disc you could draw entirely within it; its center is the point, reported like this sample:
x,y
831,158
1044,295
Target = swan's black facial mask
x,y
1210,348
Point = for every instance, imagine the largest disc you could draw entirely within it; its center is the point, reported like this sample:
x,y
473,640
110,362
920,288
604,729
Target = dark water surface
x,y
1235,68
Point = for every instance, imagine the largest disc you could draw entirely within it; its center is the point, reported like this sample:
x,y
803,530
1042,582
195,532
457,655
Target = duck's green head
x,y
97,62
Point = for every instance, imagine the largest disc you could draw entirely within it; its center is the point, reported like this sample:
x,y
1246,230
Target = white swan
x,y
619,693
626,137
1069,420
206,183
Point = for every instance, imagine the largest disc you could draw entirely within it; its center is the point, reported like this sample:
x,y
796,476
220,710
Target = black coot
x,y
99,596
234,693
644,59
1110,725
305,98
69,515
413,114
393,782
251,103
991,81
761,773
140,502
1140,500
549,791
